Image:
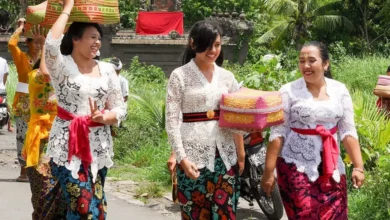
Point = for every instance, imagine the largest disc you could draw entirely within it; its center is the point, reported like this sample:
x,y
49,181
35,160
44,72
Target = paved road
x,y
15,197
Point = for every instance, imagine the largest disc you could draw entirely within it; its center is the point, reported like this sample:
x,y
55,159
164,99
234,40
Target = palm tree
x,y
300,16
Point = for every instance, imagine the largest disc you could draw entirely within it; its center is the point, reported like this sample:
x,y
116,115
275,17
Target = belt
x,y
210,115
22,87
78,143
330,148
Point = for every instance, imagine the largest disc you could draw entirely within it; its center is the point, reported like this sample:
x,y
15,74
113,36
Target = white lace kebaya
x,y
302,111
72,90
189,91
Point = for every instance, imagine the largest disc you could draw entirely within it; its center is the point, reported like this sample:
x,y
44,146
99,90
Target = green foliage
x,y
140,73
300,17
154,108
371,202
371,21
196,10
12,80
268,74
144,124
373,128
141,148
128,12
360,73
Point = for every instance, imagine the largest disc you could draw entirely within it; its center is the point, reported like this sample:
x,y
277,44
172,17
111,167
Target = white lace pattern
x,y
301,111
72,91
188,92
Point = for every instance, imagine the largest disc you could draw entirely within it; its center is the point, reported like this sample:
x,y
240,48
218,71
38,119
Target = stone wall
x,y
165,53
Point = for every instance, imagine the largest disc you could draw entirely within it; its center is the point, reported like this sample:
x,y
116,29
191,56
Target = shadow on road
x,y
7,180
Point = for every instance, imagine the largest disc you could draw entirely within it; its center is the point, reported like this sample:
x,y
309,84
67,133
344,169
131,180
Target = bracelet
x,y
358,169
66,13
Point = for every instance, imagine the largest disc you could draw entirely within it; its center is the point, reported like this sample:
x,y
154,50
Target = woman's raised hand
x,y
96,114
21,22
39,34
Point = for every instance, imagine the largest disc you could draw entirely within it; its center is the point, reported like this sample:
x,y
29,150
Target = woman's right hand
x,y
268,182
190,169
171,163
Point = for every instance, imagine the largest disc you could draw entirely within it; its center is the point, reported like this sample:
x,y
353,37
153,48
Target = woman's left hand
x,y
96,114
357,179
39,34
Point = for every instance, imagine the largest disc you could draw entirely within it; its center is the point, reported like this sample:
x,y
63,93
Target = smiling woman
x,y
89,101
304,149
206,153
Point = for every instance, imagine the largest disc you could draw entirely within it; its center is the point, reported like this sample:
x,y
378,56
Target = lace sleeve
x,y
173,109
282,129
53,57
346,124
115,101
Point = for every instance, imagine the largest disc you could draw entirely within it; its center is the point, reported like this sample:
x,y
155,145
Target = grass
x,y
371,202
361,73
145,164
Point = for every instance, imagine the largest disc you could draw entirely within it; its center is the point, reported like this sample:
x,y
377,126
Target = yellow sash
x,y
38,128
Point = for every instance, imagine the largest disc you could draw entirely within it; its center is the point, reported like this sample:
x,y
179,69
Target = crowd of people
x,y
67,101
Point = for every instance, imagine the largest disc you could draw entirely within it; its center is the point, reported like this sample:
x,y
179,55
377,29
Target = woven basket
x,y
251,109
382,88
91,11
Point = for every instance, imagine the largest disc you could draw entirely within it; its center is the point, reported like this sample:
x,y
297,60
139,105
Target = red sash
x,y
78,143
330,152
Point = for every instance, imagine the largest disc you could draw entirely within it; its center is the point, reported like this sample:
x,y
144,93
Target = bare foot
x,y
10,129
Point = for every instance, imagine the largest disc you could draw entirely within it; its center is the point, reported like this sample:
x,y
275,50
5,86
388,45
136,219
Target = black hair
x,y
388,69
323,53
115,61
37,64
76,31
203,35
29,40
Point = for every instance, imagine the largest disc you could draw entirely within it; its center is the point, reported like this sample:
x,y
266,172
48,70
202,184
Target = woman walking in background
x,y
80,144
24,63
46,193
208,176
311,172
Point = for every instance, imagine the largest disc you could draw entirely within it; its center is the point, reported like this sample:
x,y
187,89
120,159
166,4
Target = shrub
x,y
268,74
372,126
140,73
372,202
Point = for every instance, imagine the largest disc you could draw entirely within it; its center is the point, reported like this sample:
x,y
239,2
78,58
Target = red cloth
x,y
323,199
78,143
159,23
379,103
331,151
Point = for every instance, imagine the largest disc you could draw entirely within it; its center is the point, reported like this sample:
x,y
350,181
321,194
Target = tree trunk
x,y
23,8
363,9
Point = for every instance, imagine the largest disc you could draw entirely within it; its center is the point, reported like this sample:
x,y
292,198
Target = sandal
x,y
22,179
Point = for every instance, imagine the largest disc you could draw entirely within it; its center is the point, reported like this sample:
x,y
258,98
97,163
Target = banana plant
x,y
373,128
152,104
